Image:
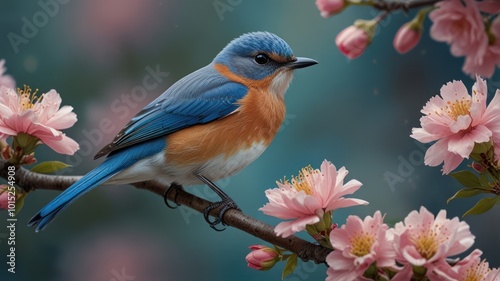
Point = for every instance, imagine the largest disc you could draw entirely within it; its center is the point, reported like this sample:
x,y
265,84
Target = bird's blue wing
x,y
203,96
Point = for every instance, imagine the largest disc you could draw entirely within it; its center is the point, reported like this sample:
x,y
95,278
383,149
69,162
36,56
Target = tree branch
x,y
390,6
305,250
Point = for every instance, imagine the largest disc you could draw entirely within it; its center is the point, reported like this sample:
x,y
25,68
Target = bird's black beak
x,y
300,63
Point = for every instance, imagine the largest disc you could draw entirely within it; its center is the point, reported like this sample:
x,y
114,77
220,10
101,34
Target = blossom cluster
x,y
471,28
418,248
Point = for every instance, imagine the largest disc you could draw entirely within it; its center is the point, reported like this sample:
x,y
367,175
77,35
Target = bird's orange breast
x,y
257,120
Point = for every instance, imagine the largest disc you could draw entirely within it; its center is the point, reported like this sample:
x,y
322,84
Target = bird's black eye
x,y
261,59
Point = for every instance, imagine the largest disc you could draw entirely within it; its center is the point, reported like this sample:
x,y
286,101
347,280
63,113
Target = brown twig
x,y
390,6
29,181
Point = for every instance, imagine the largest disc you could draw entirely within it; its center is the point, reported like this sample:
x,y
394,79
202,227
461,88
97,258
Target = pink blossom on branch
x,y
491,59
457,121
306,198
38,117
425,241
461,25
357,245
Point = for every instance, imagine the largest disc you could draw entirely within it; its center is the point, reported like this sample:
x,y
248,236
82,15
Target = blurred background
x,y
357,114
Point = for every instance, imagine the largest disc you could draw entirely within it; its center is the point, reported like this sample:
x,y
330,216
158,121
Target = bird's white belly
x,y
158,168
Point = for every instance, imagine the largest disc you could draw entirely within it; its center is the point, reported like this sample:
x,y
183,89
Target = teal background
x,y
357,114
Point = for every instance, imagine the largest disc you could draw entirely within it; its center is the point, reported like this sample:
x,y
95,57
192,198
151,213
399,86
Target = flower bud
x,y
353,40
28,159
478,167
262,257
406,38
329,8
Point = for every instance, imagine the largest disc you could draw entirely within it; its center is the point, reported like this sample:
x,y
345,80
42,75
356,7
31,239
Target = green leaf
x,y
291,263
464,193
49,167
466,178
484,181
483,206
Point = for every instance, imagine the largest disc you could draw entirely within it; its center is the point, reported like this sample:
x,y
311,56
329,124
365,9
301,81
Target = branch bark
x,y
390,6
305,250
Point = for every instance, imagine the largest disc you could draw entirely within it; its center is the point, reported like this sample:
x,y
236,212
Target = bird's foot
x,y
167,192
226,204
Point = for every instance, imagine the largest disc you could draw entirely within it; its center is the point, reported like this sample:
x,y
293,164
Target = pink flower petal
x,y
462,123
463,145
288,228
65,145
436,153
62,119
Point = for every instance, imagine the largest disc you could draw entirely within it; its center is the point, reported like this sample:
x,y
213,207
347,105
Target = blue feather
x,y
201,97
112,166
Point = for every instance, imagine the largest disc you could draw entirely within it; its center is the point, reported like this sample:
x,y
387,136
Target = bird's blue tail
x,y
113,165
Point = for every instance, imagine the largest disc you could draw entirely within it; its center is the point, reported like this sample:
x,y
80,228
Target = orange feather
x,y
257,120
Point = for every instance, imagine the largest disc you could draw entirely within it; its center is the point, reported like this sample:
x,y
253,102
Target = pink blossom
x,y
406,38
460,26
261,257
357,245
352,41
329,8
6,80
457,121
305,200
39,117
472,268
424,241
491,58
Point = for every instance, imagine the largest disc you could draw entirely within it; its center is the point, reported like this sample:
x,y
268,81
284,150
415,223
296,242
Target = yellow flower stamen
x,y
426,245
300,182
427,241
27,97
477,273
362,244
458,108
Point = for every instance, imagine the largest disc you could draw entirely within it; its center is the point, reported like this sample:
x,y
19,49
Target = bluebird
x,y
207,126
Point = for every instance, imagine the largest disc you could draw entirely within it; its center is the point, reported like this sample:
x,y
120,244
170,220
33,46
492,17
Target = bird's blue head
x,y
257,55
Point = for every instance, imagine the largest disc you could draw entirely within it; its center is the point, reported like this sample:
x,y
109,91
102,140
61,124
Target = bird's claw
x,y
165,195
225,205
